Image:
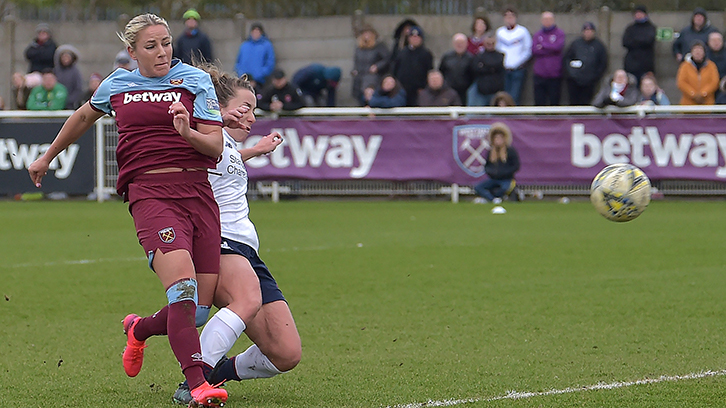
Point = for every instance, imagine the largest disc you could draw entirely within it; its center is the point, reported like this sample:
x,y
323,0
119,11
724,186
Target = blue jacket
x,y
383,100
256,58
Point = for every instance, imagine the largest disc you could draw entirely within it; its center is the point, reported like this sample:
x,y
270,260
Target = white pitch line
x,y
71,262
515,395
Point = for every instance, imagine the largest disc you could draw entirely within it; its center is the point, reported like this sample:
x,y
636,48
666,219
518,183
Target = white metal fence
x,y
108,171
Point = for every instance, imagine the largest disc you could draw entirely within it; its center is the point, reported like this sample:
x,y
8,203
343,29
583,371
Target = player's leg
x,y
277,345
275,335
239,298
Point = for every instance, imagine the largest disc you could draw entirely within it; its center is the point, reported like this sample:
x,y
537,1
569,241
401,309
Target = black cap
x,y
589,26
278,74
641,8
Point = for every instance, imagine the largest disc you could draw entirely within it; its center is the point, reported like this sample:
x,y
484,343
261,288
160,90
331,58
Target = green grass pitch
x,y
397,302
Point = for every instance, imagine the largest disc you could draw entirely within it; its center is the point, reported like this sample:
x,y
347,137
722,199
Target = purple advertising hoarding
x,y
553,150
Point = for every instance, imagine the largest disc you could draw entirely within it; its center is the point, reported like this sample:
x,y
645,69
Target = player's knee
x,y
202,315
182,290
286,359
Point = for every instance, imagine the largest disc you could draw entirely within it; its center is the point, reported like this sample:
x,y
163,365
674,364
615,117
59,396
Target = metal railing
x,y
107,170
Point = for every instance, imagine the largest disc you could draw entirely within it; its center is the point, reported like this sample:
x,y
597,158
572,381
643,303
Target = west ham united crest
x,y
470,146
167,235
176,81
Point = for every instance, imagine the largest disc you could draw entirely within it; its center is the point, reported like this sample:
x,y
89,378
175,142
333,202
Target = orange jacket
x,y
692,82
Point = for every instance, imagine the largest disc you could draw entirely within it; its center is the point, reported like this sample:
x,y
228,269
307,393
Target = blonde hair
x,y
137,24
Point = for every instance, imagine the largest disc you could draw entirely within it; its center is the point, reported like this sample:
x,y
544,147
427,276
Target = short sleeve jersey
x,y
140,105
229,183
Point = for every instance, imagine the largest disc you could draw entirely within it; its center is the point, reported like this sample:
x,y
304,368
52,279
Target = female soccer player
x,y
163,155
247,294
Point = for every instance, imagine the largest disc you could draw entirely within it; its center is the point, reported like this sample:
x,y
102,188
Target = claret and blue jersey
x,y
140,105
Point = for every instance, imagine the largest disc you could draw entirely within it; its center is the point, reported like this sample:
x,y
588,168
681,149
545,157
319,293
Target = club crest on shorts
x,y
176,81
167,235
470,145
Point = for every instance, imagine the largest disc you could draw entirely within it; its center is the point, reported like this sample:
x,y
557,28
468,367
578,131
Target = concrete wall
x,y
329,40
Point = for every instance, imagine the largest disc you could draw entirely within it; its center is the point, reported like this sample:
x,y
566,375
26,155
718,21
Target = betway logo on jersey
x,y
334,151
152,97
19,157
645,146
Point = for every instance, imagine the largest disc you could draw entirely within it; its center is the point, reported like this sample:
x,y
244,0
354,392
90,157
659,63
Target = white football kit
x,y
229,183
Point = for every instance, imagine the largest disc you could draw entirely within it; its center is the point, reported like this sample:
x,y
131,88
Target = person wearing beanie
x,y
697,77
318,84
585,61
515,42
256,57
639,40
412,65
41,51
193,44
699,29
547,46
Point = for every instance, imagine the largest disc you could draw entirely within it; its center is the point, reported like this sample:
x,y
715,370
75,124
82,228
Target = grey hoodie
x,y
69,76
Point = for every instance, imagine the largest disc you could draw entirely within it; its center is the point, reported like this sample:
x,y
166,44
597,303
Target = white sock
x,y
253,364
219,335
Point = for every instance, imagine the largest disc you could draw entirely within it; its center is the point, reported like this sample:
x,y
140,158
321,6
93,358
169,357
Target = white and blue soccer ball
x,y
620,192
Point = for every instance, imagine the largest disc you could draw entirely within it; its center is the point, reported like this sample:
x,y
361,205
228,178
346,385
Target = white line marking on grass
x,y
71,262
514,395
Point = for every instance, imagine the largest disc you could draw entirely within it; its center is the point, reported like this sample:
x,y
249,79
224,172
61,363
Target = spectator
x,y
502,99
455,66
650,93
479,27
123,60
620,90
697,77
585,63
256,57
67,72
413,64
93,82
22,84
437,92
368,94
547,46
49,95
487,70
369,62
193,44
318,84
639,40
501,165
699,29
41,51
400,39
721,98
280,94
390,94
515,42
716,52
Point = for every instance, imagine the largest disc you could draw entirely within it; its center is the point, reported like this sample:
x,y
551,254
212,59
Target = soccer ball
x,y
620,192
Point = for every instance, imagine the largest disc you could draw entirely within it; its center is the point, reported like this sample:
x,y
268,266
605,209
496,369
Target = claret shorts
x,y
174,211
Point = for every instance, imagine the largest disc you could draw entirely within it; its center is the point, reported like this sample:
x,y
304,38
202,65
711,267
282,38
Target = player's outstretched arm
x,y
266,145
76,125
